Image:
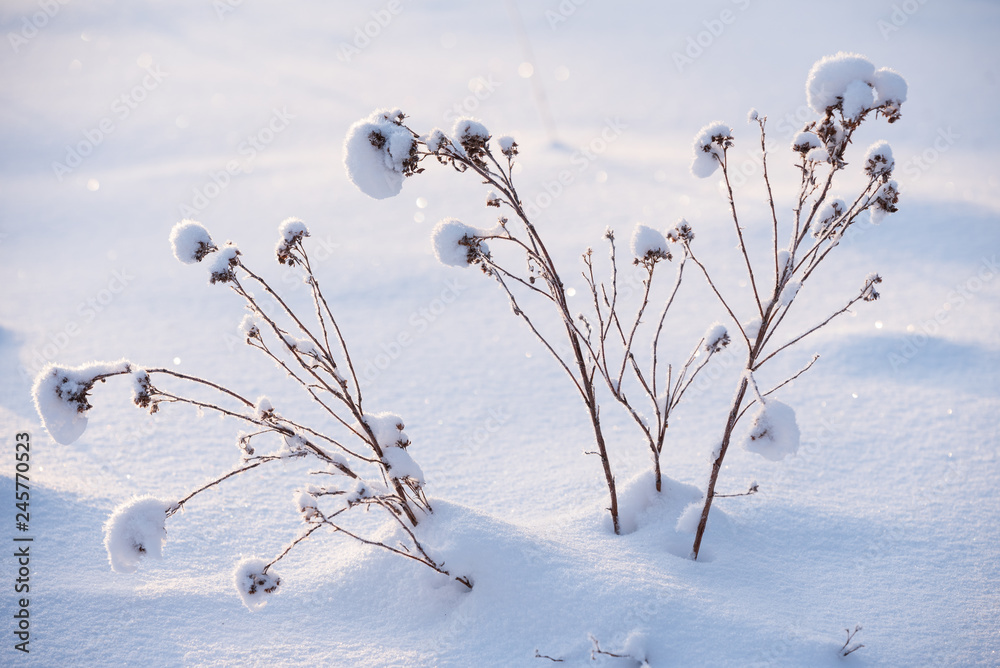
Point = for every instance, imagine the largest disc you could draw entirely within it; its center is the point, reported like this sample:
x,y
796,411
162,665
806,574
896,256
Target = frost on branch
x,y
190,241
457,244
136,529
649,246
254,581
868,292
774,434
379,152
60,395
709,148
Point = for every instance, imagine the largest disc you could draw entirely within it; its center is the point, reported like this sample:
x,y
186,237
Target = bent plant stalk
x,y
802,260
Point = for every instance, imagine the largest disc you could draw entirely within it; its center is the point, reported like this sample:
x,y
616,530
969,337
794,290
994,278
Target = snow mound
x,y
774,433
378,153
136,529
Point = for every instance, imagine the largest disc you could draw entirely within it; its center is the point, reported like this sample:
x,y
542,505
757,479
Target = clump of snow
x,y
253,583
263,409
879,161
468,130
507,146
221,269
401,465
752,328
136,529
774,434
850,81
60,396
457,244
830,78
141,388
890,91
191,241
884,201
709,148
716,338
649,244
435,140
388,429
788,292
828,216
379,152
250,326
290,231
805,142
858,98
752,115
306,504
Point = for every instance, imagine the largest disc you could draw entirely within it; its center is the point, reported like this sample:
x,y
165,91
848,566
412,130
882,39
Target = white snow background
x,y
887,516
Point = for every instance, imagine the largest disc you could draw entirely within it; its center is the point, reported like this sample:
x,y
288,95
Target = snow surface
x,y
888,515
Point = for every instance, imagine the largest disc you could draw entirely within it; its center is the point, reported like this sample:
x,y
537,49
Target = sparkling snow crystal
x,y
774,433
708,148
648,244
136,529
60,395
378,153
456,244
253,583
190,241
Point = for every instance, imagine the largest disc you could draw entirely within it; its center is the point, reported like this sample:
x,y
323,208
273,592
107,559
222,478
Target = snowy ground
x,y
888,517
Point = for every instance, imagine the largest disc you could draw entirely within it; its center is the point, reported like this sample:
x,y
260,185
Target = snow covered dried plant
x,y
844,90
601,345
364,465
